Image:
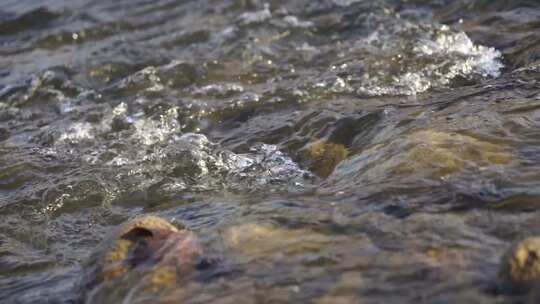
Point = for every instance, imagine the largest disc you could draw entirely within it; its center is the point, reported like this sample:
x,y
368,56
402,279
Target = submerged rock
x,y
322,157
345,290
452,151
255,239
520,266
430,153
448,152
141,257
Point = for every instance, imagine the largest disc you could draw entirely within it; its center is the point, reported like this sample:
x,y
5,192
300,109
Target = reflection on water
x,y
322,151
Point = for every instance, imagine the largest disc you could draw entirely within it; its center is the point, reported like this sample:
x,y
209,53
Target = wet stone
x,y
145,255
430,152
449,152
520,266
338,151
322,157
260,239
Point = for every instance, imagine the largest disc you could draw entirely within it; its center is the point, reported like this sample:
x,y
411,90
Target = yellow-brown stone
x,y
322,157
520,266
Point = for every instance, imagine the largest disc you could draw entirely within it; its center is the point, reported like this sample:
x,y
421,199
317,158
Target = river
x,y
324,151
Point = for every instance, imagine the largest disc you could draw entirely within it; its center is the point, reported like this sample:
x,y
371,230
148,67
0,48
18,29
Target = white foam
x,y
404,58
295,22
220,90
149,131
77,132
157,150
256,17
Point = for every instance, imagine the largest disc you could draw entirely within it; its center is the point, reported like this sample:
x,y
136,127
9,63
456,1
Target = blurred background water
x,y
325,151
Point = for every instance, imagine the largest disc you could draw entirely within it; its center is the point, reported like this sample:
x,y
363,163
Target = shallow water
x,y
336,151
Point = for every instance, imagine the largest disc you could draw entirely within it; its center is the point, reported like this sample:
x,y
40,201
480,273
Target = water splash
x,y
407,58
159,159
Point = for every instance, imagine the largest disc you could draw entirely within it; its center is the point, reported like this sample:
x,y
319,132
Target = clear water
x,y
334,151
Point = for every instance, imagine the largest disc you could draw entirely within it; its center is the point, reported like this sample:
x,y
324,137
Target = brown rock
x,y
322,157
520,266
147,254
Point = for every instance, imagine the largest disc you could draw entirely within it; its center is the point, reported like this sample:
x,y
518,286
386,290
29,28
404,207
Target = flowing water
x,y
324,151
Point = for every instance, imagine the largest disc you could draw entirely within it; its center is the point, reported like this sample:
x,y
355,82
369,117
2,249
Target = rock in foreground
x,y
520,266
139,259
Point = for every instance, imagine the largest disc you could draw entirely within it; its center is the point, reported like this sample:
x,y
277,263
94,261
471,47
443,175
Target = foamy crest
x,y
406,59
156,158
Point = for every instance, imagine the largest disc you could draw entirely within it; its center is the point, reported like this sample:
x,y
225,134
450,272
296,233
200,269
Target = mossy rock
x,y
321,157
448,152
438,152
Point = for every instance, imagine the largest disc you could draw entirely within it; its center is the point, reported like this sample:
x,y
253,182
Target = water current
x,y
324,151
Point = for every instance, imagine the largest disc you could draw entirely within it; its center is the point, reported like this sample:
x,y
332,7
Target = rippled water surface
x,y
324,151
